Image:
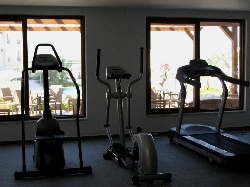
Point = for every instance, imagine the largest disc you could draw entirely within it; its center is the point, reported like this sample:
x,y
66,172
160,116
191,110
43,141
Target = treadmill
x,y
210,141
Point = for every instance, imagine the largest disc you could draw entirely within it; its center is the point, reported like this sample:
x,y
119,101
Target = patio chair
x,y
159,103
32,104
57,100
4,108
53,89
176,100
71,103
7,95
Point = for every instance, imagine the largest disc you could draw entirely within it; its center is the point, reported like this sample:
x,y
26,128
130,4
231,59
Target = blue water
x,y
71,90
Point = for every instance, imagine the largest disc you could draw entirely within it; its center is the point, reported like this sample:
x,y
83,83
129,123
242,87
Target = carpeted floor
x,y
188,168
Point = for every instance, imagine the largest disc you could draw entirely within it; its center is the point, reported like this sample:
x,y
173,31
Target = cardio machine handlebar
x,y
185,74
182,76
141,70
98,61
98,70
237,81
105,83
193,83
223,76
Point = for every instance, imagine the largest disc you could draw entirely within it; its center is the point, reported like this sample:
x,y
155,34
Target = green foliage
x,y
222,60
165,68
59,77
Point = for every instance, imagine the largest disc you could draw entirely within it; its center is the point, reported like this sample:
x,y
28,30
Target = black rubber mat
x,y
224,143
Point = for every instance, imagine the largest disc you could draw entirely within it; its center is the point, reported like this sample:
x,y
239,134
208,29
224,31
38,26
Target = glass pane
x,y
65,36
220,47
172,46
11,59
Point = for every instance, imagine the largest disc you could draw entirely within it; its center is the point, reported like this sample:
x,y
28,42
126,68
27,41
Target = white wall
x,y
120,33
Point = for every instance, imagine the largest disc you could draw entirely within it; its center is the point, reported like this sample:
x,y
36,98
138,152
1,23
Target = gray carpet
x,y
187,167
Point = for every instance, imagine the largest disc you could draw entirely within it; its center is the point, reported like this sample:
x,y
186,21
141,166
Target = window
x,y
173,42
66,34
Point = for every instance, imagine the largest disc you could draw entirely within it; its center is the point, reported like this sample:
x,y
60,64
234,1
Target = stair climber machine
x,y
210,141
48,145
142,157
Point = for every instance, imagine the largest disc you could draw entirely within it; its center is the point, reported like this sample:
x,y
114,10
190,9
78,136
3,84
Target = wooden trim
x,y
83,109
148,71
160,24
58,19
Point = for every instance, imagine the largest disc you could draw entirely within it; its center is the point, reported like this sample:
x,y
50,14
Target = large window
x,y
172,43
18,39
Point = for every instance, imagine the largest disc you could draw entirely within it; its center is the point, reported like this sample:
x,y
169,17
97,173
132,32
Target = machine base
x,y
160,176
51,173
218,147
142,158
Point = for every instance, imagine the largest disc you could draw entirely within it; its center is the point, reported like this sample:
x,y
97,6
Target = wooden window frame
x,y
196,99
24,19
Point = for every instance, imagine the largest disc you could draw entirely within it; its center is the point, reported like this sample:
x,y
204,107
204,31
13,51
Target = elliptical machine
x,y
48,148
142,157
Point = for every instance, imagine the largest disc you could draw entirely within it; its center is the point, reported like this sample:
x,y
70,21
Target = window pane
x,y
65,36
172,46
219,46
11,50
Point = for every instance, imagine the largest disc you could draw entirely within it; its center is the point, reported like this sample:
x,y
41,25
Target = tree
x,y
223,61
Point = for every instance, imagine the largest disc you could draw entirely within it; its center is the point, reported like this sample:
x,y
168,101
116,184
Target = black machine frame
x,y
210,141
142,156
48,115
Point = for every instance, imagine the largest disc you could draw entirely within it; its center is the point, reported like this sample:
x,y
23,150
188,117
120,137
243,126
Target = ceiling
x,y
238,5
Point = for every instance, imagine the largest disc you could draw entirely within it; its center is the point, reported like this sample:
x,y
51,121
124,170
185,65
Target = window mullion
x,y
197,56
25,64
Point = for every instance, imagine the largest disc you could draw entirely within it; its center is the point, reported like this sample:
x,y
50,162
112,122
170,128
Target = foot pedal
x,y
118,150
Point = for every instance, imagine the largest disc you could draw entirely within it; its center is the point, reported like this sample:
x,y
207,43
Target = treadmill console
x,y
45,61
116,72
200,67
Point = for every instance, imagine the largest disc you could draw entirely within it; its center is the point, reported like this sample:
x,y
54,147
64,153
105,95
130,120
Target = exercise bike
x,y
48,145
142,157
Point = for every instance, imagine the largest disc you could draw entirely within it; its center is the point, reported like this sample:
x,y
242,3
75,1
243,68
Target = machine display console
x,y
46,60
201,68
116,72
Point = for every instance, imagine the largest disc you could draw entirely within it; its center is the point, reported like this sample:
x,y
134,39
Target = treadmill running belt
x,y
225,143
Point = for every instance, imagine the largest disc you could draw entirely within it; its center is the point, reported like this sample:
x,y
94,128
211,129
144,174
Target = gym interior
x,y
120,32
